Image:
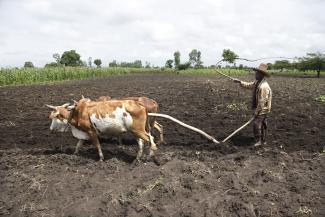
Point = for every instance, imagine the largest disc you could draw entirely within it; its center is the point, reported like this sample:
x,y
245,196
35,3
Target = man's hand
x,y
236,81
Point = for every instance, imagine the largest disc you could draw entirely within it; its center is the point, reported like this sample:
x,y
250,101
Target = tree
x,y
137,64
193,57
98,62
71,58
269,66
90,61
28,64
177,59
113,64
57,58
312,61
199,63
147,65
229,56
281,64
52,64
169,64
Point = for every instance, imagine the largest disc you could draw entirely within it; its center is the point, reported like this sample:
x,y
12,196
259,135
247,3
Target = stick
x,y
239,129
264,58
186,126
231,78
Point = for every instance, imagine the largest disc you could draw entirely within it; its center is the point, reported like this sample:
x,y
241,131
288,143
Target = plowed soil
x,y
40,176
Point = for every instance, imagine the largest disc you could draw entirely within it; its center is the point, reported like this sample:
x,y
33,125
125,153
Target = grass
x,y
241,106
47,75
304,211
321,98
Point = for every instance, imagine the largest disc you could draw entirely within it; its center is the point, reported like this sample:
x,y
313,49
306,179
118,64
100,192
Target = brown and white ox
x,y
90,120
151,107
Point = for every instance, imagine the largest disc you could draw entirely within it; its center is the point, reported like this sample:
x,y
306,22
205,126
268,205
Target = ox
x,y
151,107
90,120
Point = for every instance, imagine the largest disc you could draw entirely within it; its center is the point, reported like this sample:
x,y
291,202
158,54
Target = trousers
x,y
260,128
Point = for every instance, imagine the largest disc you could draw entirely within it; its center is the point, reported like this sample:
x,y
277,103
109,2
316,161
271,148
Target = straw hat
x,y
262,69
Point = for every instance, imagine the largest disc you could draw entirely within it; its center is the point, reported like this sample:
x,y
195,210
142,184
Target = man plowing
x,y
261,103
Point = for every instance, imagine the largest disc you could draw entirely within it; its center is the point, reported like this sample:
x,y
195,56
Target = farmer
x,y
262,97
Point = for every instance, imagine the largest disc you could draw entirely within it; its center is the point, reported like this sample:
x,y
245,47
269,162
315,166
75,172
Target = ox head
x,y
59,117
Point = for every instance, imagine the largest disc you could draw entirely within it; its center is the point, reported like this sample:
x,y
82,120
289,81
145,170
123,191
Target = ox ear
x,y
51,106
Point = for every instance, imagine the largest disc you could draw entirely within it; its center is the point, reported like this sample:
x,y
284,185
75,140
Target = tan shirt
x,y
263,95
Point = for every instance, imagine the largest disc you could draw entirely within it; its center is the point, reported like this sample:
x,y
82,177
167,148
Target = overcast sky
x,y
151,30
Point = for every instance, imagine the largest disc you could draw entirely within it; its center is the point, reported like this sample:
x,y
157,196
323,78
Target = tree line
x,y
312,61
193,62
72,58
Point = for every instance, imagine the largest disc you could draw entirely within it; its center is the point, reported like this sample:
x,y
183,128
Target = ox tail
x,y
186,126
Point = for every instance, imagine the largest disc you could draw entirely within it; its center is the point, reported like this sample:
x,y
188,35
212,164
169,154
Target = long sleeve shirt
x,y
262,95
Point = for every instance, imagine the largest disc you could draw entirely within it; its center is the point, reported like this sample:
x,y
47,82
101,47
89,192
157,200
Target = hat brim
x,y
262,72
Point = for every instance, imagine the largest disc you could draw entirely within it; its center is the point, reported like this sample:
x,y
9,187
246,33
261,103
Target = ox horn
x,y
74,101
50,106
71,107
65,105
82,96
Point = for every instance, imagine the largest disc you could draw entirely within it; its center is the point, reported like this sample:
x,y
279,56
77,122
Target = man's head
x,y
261,72
258,76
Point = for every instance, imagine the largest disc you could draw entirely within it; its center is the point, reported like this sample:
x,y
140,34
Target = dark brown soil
x,y
39,175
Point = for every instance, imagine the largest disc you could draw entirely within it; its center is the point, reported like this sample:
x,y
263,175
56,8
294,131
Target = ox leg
x,y
153,146
148,138
141,144
95,141
160,129
79,145
120,140
153,149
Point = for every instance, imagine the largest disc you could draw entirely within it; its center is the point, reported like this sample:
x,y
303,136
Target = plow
x,y
204,134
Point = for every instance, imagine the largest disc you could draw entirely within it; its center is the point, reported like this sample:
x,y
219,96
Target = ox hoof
x,y
154,159
161,143
135,163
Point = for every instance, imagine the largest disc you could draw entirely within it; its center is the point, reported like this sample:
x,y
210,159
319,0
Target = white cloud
x,y
152,30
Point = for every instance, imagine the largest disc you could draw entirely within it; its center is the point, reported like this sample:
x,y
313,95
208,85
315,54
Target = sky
x,y
152,30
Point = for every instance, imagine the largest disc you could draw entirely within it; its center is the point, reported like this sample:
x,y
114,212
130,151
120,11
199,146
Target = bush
x,y
184,66
28,64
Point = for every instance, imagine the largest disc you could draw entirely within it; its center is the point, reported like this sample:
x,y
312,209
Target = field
x,y
18,76
39,175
